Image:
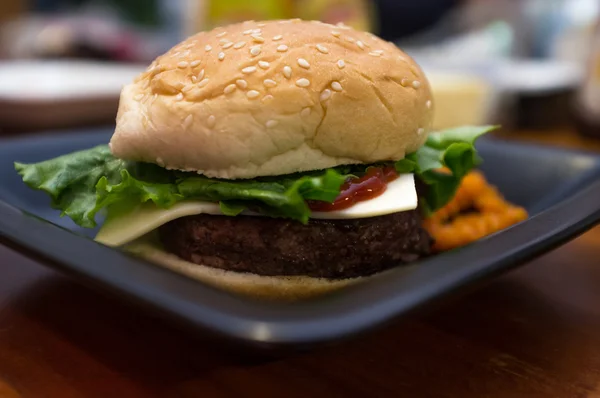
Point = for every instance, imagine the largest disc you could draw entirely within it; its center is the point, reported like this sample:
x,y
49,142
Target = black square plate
x,y
560,189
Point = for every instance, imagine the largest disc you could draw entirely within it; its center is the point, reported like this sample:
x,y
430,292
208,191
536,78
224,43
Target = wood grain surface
x,y
532,333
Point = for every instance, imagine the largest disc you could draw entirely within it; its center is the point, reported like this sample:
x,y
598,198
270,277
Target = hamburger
x,y
279,159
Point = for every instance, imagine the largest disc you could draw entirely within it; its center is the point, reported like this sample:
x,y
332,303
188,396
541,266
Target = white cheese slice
x,y
399,196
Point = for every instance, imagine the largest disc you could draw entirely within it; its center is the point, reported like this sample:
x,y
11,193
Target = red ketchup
x,y
355,190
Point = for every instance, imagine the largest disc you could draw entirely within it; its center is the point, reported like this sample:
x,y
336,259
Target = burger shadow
x,y
127,340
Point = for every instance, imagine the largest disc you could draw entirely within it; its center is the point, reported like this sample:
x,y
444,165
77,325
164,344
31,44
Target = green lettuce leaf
x,y
453,149
284,198
232,208
136,191
70,180
83,183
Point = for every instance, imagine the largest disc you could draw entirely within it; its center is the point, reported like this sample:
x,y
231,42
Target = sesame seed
x,y
403,82
256,31
247,32
267,97
282,48
221,56
194,79
221,34
262,24
416,84
420,131
211,121
336,86
341,25
350,39
188,120
263,64
138,97
287,72
187,88
302,82
325,94
161,163
428,104
189,46
201,75
322,49
239,45
303,63
229,89
179,97
375,54
341,64
249,69
208,47
185,54
176,54
258,38
203,83
271,123
252,94
241,83
336,33
269,83
360,45
278,37
255,50
305,112
223,41
227,45
182,65
195,63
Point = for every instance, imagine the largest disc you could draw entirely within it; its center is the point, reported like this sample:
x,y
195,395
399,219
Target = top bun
x,y
271,98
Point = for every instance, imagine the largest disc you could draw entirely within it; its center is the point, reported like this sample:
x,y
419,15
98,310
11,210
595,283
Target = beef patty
x,y
322,248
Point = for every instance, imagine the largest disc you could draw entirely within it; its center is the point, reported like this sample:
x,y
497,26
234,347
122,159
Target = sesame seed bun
x,y
257,99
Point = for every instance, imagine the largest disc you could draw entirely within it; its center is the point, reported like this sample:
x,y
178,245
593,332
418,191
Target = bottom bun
x,y
281,288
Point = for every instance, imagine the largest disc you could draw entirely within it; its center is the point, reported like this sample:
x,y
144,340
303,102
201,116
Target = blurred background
x,y
528,64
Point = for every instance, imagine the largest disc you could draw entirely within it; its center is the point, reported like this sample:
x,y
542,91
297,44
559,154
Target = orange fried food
x,y
477,210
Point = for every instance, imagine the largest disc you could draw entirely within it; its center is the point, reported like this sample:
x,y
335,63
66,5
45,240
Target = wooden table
x,y
532,333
